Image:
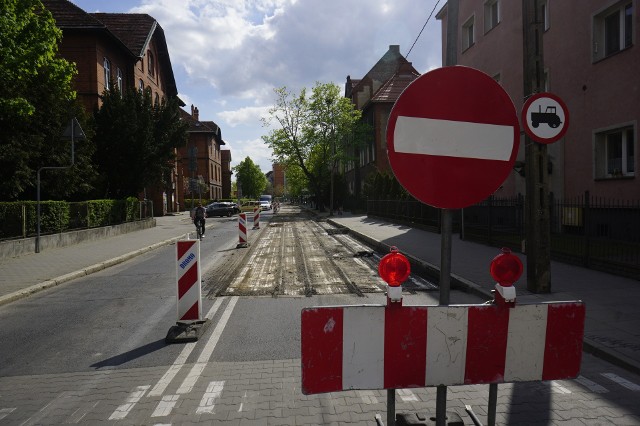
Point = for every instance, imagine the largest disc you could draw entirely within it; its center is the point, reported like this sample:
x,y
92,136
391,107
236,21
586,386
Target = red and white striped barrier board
x,y
256,218
189,279
379,347
242,228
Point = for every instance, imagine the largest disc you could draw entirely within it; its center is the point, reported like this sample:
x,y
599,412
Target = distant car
x,y
220,209
265,205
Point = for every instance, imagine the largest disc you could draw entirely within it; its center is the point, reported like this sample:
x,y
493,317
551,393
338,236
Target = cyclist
x,y
199,215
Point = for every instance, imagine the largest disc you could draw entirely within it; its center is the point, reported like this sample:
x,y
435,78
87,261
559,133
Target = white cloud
x,y
254,149
246,115
229,55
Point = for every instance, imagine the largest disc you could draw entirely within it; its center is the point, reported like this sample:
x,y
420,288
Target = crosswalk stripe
x,y
591,385
207,404
124,409
622,381
4,412
165,406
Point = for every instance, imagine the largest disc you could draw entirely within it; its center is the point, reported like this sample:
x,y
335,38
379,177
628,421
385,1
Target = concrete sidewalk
x,y
612,328
23,275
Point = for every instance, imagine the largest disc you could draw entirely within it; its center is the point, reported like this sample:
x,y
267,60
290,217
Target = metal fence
x,y
593,232
19,220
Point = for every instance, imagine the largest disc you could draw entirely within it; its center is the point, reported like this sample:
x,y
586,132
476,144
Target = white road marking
x,y
591,385
622,381
79,414
181,360
207,404
165,406
135,396
4,412
193,376
556,387
407,396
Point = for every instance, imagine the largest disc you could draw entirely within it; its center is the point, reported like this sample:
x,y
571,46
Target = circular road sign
x,y
545,118
452,137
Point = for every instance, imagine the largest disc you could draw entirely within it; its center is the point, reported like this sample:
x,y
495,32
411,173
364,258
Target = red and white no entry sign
x,y
452,137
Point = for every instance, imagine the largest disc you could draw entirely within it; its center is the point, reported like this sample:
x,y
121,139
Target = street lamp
x,y
73,131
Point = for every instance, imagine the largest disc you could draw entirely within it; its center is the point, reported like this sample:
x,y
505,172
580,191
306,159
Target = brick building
x,y
591,62
124,49
226,174
375,95
200,161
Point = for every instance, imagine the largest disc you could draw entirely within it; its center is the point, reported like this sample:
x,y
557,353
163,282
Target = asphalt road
x,y
92,351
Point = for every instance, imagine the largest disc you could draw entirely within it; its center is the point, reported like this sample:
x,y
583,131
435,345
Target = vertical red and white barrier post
x,y
256,218
242,229
189,277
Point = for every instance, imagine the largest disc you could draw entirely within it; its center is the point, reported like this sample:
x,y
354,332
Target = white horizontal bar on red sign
x,y
426,136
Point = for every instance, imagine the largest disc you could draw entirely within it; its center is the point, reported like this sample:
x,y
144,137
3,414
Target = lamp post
x,y
74,131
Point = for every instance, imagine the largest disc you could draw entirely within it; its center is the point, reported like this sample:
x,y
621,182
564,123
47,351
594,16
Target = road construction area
x,y
296,254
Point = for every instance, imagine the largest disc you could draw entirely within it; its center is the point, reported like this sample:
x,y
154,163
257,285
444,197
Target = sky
x,y
229,55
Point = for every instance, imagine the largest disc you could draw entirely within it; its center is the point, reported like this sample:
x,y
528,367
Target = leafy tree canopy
x,y
36,104
313,132
251,181
135,141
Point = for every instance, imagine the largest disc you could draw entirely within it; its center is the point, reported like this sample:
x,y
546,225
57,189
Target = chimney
x,y
195,113
394,48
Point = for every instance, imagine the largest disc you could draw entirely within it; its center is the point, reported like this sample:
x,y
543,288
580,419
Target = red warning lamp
x,y
506,268
394,268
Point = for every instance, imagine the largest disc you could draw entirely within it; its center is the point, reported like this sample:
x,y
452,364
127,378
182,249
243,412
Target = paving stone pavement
x,y
268,392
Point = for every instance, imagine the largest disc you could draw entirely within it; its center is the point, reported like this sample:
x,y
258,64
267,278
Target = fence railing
x,y
593,232
19,219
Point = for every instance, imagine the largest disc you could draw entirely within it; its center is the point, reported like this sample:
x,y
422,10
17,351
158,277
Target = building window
x,y
141,85
467,34
613,30
151,63
156,102
491,15
119,79
545,14
615,153
107,73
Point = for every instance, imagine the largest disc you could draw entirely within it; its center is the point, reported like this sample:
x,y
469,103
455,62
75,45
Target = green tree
x,y
313,132
135,142
250,178
36,104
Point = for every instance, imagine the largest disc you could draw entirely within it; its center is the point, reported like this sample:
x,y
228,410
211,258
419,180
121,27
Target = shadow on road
x,y
131,355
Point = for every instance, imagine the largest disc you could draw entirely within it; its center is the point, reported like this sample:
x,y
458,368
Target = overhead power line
x,y
423,27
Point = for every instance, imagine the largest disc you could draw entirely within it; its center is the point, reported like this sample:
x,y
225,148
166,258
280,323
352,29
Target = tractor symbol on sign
x,y
549,116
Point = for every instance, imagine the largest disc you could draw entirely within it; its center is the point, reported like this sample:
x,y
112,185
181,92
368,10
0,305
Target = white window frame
x,y
599,39
491,6
602,146
106,63
468,33
545,14
119,79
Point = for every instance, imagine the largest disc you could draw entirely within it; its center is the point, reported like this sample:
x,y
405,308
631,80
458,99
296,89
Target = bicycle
x,y
198,230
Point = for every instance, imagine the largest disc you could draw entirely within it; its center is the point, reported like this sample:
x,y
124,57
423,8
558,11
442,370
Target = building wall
x,y
600,94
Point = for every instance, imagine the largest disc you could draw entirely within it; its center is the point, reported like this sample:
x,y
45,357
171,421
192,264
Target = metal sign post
x,y
74,131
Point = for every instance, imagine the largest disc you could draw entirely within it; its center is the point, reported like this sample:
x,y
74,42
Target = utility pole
x,y
537,216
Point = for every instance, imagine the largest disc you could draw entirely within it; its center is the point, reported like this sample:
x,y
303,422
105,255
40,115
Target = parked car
x,y
220,209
